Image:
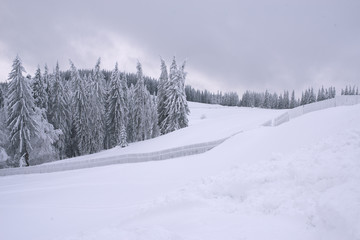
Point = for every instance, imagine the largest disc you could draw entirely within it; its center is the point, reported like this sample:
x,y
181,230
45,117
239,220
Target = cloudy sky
x,y
229,45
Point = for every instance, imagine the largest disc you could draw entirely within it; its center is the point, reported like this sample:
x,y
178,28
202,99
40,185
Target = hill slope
x,y
295,181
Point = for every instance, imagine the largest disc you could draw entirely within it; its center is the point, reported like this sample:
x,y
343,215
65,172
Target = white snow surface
x,y
206,123
300,180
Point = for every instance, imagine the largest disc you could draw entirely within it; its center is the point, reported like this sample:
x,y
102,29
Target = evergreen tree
x,y
281,102
131,133
292,101
43,149
21,116
123,142
163,87
184,107
266,100
286,99
46,79
59,114
80,118
39,90
141,107
117,109
312,96
155,130
106,109
177,108
97,120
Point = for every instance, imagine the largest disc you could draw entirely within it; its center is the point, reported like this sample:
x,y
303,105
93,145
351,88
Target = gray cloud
x,y
230,45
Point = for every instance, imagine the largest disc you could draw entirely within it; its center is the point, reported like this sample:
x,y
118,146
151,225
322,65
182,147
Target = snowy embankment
x,y
223,122
299,180
343,100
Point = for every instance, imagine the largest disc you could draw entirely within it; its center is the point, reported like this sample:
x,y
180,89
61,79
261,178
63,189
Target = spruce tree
x,y
312,97
21,116
155,130
141,107
123,142
286,99
177,108
117,109
59,114
184,107
46,79
97,121
292,101
161,97
106,109
266,100
80,118
131,133
39,90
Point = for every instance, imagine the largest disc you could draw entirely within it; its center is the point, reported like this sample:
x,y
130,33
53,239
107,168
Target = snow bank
x,y
298,111
208,125
126,158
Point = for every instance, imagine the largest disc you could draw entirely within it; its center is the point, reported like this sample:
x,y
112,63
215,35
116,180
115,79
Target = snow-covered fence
x,y
126,158
343,100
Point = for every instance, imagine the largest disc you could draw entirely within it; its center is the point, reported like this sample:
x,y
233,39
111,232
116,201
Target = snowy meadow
x,y
298,180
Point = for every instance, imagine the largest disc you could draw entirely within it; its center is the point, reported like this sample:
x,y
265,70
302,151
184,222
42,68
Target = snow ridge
x,y
344,100
126,158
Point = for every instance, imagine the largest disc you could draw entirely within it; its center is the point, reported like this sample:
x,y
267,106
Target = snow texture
x,y
295,181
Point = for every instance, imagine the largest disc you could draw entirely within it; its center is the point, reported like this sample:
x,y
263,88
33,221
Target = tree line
x,y
266,99
76,112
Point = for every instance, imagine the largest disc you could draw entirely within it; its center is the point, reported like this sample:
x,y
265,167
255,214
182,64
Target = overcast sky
x,y
229,45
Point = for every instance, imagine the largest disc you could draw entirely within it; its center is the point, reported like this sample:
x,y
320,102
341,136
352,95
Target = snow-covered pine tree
x,y
286,99
292,101
44,141
59,115
177,108
97,120
319,96
184,107
141,107
266,100
131,133
275,100
80,117
106,110
47,83
281,102
21,116
39,90
161,96
155,130
117,108
312,97
123,142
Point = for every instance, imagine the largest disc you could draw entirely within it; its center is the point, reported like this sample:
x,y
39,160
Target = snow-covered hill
x,y
299,180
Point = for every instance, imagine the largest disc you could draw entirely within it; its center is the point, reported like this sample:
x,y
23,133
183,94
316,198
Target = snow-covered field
x,y
300,180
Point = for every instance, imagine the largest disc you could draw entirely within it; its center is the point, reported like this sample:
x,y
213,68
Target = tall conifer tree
x,y
21,116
